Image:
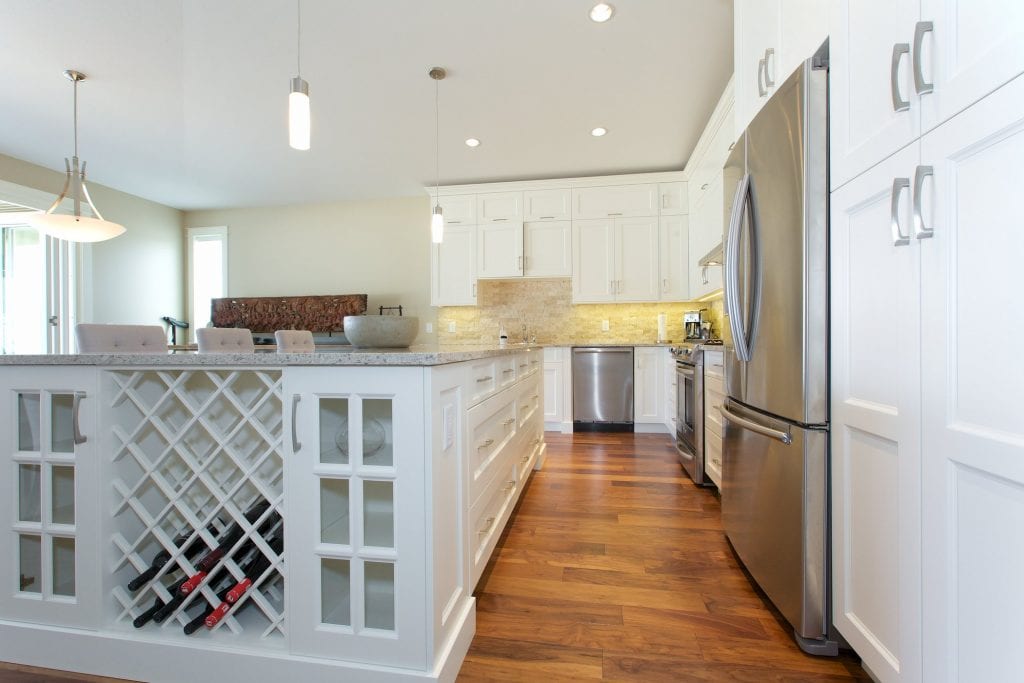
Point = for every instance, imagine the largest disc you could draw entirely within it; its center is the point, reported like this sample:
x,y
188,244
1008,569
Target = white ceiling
x,y
186,100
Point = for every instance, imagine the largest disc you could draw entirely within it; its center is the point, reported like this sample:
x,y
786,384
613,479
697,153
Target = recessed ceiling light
x,y
598,132
601,12
472,142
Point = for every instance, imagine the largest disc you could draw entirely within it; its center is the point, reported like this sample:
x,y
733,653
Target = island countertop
x,y
420,355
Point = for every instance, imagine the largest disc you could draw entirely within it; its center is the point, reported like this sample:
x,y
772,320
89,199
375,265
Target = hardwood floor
x,y
615,567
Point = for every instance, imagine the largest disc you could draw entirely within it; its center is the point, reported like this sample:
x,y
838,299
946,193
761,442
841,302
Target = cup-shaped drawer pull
x,y
508,370
485,444
524,365
716,461
509,421
525,459
535,397
526,407
488,378
509,486
488,523
535,441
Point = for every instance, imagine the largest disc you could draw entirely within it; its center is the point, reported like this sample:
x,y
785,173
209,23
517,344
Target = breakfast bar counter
x,y
330,511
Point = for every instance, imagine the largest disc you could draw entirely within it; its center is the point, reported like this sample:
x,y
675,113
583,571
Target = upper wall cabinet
x,y
906,67
771,38
499,207
453,268
616,201
459,209
672,198
547,205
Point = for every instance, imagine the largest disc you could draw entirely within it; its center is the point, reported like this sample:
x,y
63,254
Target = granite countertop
x,y
420,355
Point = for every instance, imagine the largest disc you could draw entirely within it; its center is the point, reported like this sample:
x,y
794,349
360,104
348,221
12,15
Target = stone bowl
x,y
381,331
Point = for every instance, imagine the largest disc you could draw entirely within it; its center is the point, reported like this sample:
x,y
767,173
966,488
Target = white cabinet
x,y
771,38
708,220
648,386
615,260
615,201
547,246
714,396
497,207
453,267
907,67
459,209
675,263
672,198
669,372
557,389
547,205
50,489
499,250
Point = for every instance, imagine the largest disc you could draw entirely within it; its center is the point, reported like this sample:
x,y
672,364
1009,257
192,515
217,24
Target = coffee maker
x,y
693,323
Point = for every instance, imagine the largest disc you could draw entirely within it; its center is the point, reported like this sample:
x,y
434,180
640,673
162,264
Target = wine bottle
x,y
256,567
229,539
161,559
146,616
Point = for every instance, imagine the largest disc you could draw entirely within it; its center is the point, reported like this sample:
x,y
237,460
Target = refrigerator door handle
x,y
755,427
732,267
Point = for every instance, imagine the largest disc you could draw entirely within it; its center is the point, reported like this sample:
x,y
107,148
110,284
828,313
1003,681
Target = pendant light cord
x,y
437,141
298,38
75,83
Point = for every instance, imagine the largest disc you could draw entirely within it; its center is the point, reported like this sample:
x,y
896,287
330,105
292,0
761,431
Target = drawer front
x,y
713,459
616,201
459,209
547,205
487,518
505,371
533,441
495,207
483,380
713,419
714,383
714,363
492,431
528,402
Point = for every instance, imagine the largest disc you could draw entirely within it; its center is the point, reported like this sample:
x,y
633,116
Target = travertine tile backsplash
x,y
546,308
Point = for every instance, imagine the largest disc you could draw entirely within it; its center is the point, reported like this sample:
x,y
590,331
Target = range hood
x,y
715,257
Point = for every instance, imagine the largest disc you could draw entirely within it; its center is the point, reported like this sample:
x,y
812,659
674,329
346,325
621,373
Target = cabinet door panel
x,y
647,390
864,127
548,249
614,201
499,206
675,250
973,436
499,250
547,205
453,267
459,209
593,261
637,255
876,451
803,27
975,48
757,30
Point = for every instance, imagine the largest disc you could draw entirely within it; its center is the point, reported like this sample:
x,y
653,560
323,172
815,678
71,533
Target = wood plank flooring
x,y
615,567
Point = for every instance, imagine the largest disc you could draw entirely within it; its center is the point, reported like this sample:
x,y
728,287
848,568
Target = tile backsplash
x,y
545,307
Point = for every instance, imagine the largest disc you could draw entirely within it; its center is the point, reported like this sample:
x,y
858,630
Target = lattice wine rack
x,y
197,466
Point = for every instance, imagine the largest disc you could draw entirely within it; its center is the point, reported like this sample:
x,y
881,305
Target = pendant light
x,y
298,97
74,227
437,217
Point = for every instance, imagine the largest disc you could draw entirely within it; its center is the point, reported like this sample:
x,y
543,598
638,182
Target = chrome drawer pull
x,y
505,372
487,525
509,421
485,379
485,444
76,427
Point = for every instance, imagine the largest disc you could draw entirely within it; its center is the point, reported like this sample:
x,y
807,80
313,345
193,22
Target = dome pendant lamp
x,y
298,97
437,217
74,227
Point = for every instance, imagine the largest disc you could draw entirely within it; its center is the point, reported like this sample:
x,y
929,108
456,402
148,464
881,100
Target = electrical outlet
x,y
604,326
451,326
430,328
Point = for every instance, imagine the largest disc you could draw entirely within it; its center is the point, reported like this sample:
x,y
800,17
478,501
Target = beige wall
x,y
546,308
377,247
134,278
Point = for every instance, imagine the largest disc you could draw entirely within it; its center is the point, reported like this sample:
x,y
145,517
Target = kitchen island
x,y
356,494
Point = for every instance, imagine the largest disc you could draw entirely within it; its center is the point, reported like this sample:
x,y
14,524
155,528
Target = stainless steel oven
x,y
690,412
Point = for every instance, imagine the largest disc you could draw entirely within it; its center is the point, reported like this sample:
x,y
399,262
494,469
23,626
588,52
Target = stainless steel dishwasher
x,y
602,389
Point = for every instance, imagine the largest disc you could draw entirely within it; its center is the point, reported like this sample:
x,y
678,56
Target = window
x,y
207,272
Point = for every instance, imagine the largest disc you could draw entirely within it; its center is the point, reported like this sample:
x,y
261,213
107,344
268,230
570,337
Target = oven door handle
x,y
755,427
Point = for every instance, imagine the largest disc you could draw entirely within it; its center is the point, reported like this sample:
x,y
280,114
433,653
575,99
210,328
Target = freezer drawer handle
x,y
755,427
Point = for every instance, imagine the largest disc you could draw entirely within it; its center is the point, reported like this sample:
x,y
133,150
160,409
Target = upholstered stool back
x,y
100,338
294,341
224,340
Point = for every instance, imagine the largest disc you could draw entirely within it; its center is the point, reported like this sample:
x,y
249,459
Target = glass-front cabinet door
x,y
356,524
49,572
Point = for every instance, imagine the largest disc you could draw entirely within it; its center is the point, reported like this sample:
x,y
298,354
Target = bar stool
x,y
224,340
294,341
103,338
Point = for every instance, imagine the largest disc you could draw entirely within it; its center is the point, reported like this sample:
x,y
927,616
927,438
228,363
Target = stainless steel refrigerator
x,y
775,493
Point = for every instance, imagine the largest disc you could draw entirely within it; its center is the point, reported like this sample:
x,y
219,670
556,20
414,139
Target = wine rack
x,y
193,451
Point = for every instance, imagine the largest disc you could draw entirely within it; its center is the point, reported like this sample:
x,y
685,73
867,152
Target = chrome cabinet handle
x,y
485,444
295,435
898,186
509,421
921,231
664,285
488,523
547,218
704,186
525,459
615,214
519,263
898,103
508,370
76,403
769,82
498,220
510,486
920,85
760,82
755,427
449,221
474,290
488,378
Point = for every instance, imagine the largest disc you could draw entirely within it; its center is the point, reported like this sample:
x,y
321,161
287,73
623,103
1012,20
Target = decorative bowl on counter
x,y
381,331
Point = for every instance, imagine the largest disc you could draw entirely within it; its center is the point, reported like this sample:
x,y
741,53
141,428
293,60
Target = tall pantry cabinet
x,y
927,115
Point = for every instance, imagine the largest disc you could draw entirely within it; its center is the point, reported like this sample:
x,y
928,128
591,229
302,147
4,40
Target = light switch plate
x,y
451,326
604,326
430,328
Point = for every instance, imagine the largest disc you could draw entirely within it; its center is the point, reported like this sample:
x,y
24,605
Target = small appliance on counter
x,y
694,325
